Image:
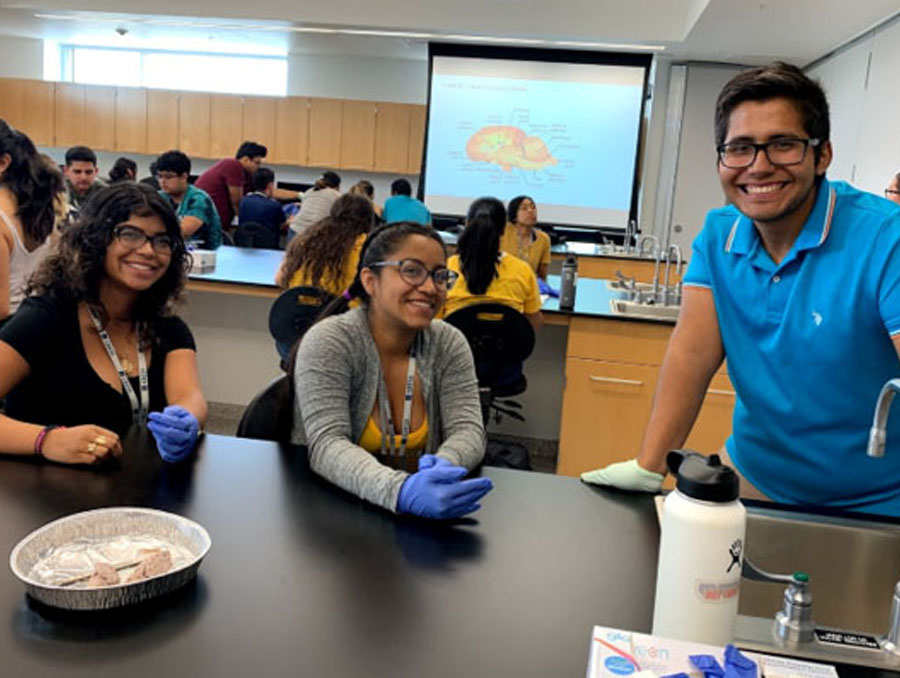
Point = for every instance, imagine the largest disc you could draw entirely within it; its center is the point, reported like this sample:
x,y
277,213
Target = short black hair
x,y
775,81
80,154
262,178
331,179
401,187
172,161
251,149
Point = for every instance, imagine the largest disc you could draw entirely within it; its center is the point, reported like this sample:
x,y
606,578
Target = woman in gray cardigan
x,y
389,366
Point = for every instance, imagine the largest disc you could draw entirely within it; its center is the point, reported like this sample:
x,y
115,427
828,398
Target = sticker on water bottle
x,y
717,591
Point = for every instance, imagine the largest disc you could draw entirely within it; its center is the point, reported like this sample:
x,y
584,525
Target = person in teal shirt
x,y
195,209
797,283
401,206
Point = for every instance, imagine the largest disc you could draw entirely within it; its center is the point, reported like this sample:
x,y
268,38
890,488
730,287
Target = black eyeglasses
x,y
415,273
782,152
888,192
134,238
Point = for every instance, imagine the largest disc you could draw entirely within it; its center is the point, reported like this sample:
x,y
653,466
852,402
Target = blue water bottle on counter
x,y
569,280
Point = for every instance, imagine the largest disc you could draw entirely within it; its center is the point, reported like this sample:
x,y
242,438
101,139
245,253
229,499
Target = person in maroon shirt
x,y
229,179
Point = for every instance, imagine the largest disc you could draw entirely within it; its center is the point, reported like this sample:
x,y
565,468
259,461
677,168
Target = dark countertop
x,y
244,266
305,580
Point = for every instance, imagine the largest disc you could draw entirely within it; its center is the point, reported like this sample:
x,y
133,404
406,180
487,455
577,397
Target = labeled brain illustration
x,y
509,147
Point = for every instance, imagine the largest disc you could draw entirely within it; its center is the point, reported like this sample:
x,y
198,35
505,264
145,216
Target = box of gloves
x,y
204,261
625,654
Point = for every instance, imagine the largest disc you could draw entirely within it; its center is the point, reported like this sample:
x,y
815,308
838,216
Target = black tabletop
x,y
305,580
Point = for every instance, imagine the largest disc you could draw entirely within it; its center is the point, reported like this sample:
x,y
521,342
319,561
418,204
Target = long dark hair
x,y
74,269
479,243
33,181
323,247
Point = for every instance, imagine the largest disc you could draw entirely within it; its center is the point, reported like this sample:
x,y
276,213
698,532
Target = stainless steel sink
x,y
619,286
634,309
852,564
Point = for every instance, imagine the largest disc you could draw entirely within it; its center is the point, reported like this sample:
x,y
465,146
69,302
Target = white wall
x,y
861,84
21,57
356,77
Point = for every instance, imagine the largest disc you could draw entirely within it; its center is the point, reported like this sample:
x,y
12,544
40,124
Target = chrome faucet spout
x,y
878,432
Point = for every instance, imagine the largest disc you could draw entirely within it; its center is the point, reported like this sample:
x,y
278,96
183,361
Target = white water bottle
x,y
700,552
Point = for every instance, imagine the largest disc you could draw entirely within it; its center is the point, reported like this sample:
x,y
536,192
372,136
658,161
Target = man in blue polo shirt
x,y
797,283
401,206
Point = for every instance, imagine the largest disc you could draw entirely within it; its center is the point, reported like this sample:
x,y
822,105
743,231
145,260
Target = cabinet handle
x,y
614,380
720,391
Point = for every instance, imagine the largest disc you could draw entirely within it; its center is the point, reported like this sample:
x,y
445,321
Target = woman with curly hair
x,y
95,349
326,254
28,189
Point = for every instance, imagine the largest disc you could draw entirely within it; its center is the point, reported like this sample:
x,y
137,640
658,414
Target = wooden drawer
x,y
605,410
626,341
713,425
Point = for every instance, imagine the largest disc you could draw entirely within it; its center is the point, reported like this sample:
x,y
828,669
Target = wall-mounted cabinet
x,y
329,133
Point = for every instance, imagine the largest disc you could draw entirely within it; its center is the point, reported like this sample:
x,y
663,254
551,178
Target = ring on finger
x,y
91,446
100,440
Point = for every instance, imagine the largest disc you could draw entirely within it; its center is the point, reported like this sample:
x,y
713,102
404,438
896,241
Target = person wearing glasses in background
x,y
892,192
797,284
385,396
95,349
194,208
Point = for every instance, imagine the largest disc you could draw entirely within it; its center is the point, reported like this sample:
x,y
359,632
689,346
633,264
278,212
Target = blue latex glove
x,y
736,665
175,430
544,288
439,491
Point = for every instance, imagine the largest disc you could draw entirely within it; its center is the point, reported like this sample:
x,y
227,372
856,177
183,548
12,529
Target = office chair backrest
x,y
500,338
294,311
252,234
269,416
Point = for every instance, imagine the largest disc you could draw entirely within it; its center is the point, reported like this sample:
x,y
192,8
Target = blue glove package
x,y
439,491
736,665
175,430
544,288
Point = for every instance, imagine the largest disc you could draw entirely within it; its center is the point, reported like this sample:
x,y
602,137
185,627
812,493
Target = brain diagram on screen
x,y
509,146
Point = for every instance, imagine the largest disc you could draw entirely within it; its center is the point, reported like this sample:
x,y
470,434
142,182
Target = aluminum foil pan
x,y
54,560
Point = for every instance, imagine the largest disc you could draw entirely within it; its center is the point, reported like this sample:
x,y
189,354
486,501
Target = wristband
x,y
39,441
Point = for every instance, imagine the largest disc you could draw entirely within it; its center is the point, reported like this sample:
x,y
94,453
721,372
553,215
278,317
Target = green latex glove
x,y
626,475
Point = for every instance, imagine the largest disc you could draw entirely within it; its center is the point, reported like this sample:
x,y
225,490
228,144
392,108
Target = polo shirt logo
x,y
817,318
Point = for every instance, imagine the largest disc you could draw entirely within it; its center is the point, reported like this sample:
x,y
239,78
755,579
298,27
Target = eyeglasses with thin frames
x,y
416,273
134,238
780,152
888,192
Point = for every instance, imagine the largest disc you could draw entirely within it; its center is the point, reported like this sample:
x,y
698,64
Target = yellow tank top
x,y
370,440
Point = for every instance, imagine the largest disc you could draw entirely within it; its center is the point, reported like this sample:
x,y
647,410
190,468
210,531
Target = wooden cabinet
x,y
193,124
392,138
291,145
162,121
325,132
100,118
225,125
612,368
131,119
28,105
358,135
416,139
258,122
69,114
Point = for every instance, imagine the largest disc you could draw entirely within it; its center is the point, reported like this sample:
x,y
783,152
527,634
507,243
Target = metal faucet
x,y
793,623
878,433
657,254
630,234
673,248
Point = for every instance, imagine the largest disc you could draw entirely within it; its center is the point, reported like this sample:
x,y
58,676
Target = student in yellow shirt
x,y
521,239
327,253
488,275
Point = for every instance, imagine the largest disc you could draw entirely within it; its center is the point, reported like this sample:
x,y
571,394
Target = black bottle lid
x,y
704,478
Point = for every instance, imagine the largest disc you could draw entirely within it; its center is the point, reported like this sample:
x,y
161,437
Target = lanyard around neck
x,y
139,405
387,421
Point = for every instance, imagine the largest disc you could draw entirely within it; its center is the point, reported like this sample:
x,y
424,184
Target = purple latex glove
x,y
439,491
175,430
736,665
544,288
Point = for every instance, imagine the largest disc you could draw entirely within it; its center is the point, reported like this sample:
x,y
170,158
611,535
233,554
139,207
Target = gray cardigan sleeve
x,y
463,433
323,379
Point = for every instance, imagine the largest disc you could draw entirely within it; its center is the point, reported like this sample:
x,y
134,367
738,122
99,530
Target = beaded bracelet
x,y
39,441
